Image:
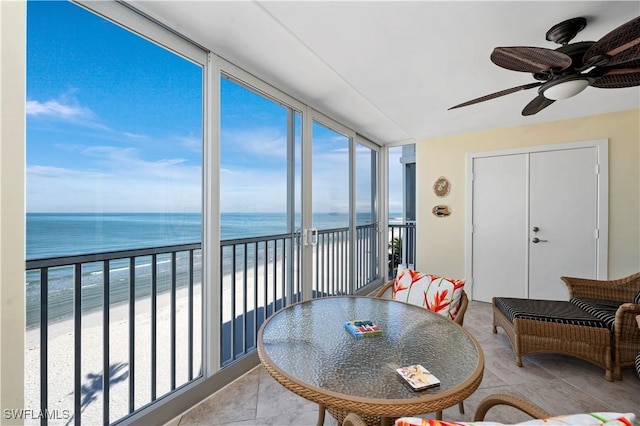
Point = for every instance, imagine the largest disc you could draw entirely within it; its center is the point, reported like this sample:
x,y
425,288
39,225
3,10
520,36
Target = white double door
x,y
537,216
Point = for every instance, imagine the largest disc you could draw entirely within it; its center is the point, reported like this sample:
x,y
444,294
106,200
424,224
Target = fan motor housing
x,y
565,31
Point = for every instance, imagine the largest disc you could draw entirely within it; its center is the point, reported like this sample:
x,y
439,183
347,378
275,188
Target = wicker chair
x,y
638,356
487,403
385,292
626,334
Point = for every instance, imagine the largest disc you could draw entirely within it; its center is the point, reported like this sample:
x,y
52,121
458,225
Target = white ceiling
x,y
391,69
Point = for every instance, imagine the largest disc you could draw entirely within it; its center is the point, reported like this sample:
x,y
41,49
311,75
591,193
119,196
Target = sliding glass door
x,y
340,233
367,237
331,207
259,141
298,209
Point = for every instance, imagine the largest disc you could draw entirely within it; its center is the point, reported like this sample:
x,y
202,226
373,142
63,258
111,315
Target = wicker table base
x,y
339,415
529,336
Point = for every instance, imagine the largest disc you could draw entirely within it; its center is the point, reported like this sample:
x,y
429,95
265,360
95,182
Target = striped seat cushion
x,y
561,312
638,356
636,299
604,310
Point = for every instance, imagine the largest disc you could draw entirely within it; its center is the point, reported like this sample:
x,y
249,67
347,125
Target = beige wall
x,y
12,145
442,250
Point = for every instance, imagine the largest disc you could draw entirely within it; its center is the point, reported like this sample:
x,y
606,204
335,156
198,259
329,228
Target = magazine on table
x,y
362,328
418,377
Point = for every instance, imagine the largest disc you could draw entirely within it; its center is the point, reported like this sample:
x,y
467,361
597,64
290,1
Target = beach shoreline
x,y
61,357
61,343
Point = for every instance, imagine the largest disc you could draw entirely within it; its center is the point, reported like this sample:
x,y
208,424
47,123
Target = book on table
x,y
362,328
418,377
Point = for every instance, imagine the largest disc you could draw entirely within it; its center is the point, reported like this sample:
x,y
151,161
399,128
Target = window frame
x,y
214,67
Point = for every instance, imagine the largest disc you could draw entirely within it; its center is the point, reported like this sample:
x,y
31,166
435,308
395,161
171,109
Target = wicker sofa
x,y
597,324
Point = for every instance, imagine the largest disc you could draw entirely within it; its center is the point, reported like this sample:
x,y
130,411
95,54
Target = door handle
x,y
310,236
537,240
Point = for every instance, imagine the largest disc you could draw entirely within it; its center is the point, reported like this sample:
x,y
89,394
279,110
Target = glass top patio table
x,y
308,350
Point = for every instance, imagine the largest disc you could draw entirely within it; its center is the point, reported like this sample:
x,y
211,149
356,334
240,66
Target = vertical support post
x,y
77,349
44,340
173,318
132,332
190,316
154,322
106,376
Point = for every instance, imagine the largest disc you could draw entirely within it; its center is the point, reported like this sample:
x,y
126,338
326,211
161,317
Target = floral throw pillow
x,y
438,294
591,419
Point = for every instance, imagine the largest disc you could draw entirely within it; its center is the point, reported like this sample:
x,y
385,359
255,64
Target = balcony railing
x,y
109,290
402,246
256,275
137,314
261,275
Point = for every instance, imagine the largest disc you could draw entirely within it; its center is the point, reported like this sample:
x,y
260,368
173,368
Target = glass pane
x,y
402,197
366,216
258,137
253,170
330,179
114,162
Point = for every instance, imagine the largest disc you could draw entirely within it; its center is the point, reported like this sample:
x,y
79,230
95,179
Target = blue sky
x,y
114,124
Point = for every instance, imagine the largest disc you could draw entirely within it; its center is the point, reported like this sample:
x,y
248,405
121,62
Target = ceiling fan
x,y
610,63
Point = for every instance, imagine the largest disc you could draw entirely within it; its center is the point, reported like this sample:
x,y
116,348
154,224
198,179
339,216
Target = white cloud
x,y
263,142
56,109
192,143
62,173
68,109
253,190
124,183
134,135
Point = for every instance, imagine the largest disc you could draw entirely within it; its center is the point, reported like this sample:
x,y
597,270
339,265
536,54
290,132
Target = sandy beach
x,y
61,353
61,358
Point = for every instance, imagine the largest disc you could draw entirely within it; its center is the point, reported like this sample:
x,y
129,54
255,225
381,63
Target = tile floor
x,y
557,383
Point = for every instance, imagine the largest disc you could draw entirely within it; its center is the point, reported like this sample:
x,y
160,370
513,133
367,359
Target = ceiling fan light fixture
x,y
611,62
564,89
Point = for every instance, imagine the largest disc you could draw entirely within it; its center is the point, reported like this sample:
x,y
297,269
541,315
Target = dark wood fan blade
x,y
530,59
631,64
498,94
536,105
619,46
617,78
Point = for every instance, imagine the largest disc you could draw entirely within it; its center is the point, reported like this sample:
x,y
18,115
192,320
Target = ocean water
x,y
66,234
